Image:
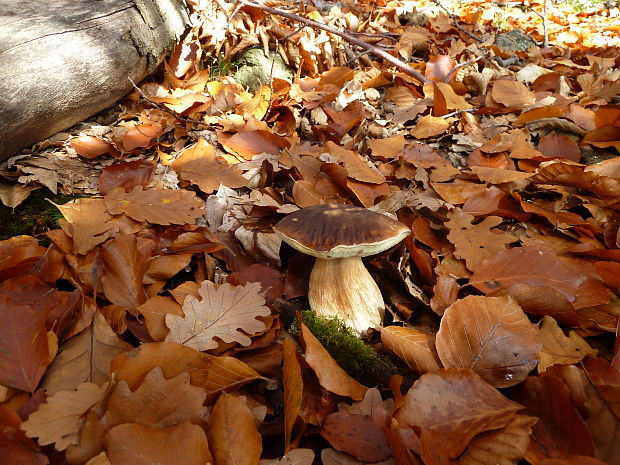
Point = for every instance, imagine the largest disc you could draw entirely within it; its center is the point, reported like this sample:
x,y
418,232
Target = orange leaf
x,y
232,434
91,147
137,444
157,206
293,388
415,348
429,126
450,407
331,376
513,94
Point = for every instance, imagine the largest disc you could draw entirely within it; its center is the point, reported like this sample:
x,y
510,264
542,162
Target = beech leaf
x,y
222,312
490,335
560,349
232,434
157,206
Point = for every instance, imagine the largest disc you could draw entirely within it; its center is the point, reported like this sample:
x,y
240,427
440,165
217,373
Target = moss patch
x,y
356,358
34,216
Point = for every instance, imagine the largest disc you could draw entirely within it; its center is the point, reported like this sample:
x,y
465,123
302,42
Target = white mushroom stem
x,y
343,288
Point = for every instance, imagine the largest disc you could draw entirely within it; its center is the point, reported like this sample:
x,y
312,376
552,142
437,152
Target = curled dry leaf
x,y
331,376
145,445
504,446
233,437
490,335
223,312
560,349
157,206
59,420
414,347
450,407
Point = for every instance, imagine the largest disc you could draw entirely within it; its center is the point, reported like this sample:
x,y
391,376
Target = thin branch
x,y
404,67
455,20
167,110
461,65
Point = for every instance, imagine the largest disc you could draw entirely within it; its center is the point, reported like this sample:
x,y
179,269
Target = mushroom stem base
x,y
343,288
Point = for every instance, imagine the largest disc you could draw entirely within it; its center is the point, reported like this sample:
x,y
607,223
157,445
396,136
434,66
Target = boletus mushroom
x,y
338,236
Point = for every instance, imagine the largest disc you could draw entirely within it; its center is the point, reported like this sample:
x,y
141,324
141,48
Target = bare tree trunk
x,y
62,61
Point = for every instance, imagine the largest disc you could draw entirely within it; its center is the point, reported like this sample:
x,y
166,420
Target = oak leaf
x,y
156,402
560,349
475,242
59,420
223,312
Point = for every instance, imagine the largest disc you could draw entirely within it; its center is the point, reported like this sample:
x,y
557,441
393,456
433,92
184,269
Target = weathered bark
x,y
62,61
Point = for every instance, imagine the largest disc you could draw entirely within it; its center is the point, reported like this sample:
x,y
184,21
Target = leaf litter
x,y
162,307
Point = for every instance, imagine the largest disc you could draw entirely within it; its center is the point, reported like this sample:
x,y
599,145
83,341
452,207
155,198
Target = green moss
x,y
34,216
356,358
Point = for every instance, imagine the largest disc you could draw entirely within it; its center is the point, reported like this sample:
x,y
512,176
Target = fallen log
x,y
62,61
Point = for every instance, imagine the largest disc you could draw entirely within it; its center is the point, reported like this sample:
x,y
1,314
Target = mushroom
x,y
338,236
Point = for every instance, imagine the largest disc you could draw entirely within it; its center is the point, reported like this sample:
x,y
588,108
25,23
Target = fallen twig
x,y
461,65
404,67
455,20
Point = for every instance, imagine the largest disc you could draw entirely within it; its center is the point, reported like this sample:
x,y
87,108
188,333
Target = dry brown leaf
x,y
457,193
88,223
357,435
476,242
331,376
13,194
293,388
505,446
84,358
222,313
233,437
135,444
156,402
154,311
430,126
451,406
125,258
213,374
490,335
293,457
560,349
513,94
415,348
58,421
200,165
536,267
157,206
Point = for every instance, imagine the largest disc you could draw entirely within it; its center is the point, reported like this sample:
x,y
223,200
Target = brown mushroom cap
x,y
337,231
